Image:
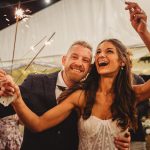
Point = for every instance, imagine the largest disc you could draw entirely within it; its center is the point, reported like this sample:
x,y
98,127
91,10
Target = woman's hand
x,y
138,17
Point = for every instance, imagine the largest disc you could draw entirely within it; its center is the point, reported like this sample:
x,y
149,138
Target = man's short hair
x,y
82,43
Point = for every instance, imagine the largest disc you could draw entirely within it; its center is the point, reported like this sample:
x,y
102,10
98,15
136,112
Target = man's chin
x,y
76,79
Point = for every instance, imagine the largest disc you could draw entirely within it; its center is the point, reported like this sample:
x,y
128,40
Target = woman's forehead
x,y
106,45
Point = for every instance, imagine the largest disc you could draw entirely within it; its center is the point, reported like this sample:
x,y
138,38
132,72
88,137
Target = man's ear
x,y
63,60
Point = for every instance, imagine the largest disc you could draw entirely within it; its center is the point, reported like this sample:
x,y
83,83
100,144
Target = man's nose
x,y
79,62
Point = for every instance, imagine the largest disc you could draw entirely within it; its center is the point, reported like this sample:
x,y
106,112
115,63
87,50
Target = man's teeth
x,y
77,70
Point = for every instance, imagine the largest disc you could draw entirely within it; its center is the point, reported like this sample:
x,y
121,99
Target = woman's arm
x,y
49,119
142,91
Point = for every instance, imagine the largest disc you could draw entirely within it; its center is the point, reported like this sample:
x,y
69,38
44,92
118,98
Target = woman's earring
x,y
122,68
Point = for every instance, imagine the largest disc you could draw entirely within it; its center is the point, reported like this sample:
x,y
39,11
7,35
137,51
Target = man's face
x,y
77,63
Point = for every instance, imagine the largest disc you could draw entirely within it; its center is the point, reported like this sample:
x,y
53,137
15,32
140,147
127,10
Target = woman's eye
x,y
98,52
109,51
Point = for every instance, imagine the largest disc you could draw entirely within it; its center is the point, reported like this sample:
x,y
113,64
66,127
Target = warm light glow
x,y
47,1
19,13
48,42
32,48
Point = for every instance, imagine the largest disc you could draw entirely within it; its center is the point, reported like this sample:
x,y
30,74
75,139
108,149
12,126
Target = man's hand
x,y
123,143
138,17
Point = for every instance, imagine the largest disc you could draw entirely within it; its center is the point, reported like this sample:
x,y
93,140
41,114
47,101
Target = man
x,y
40,93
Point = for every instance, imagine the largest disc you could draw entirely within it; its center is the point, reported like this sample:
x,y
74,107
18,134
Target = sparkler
x,y
1,62
45,44
18,15
32,48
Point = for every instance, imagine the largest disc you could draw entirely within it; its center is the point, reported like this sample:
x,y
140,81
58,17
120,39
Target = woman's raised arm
x,y
142,91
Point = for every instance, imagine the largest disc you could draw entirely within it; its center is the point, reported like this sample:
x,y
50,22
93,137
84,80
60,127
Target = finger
x,y
127,134
124,139
1,93
132,5
140,16
8,94
132,12
2,72
138,19
121,145
9,89
2,79
6,83
3,89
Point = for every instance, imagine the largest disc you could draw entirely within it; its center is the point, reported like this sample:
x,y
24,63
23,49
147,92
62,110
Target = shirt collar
x,y
60,80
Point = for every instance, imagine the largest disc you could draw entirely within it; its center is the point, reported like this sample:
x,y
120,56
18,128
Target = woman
x,y
105,100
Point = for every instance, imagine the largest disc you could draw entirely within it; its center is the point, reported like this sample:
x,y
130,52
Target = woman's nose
x,y
102,54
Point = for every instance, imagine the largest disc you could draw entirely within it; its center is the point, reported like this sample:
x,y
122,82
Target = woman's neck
x,y
106,85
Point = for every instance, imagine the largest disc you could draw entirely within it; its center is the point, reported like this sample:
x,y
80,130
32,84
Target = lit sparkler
x,y
45,44
32,48
19,14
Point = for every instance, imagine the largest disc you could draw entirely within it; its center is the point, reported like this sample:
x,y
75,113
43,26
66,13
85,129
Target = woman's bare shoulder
x,y
78,98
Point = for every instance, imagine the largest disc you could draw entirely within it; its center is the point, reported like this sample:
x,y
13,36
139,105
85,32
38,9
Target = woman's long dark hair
x,y
123,107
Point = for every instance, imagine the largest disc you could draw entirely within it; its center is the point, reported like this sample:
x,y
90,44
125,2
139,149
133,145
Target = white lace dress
x,y
97,134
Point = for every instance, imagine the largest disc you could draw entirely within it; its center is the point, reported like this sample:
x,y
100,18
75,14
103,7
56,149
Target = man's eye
x,y
74,57
86,60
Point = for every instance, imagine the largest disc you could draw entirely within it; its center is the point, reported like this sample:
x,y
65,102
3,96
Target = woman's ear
x,y
122,64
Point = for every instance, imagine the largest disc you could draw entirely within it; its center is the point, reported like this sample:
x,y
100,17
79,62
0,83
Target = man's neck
x,y
66,80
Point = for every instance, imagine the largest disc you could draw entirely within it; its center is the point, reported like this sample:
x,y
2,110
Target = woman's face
x,y
107,60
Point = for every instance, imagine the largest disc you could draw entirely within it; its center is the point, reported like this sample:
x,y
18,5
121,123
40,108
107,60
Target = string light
x,y
17,3
47,1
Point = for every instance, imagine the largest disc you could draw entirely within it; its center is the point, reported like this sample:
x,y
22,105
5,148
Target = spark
x,y
32,48
19,13
7,19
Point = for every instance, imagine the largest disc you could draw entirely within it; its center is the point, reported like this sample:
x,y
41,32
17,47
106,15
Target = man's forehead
x,y
76,49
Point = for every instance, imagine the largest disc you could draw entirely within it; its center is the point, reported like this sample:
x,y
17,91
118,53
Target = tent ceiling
x,y
90,20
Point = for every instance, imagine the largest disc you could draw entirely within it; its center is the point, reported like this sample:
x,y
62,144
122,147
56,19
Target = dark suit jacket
x,y
38,92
